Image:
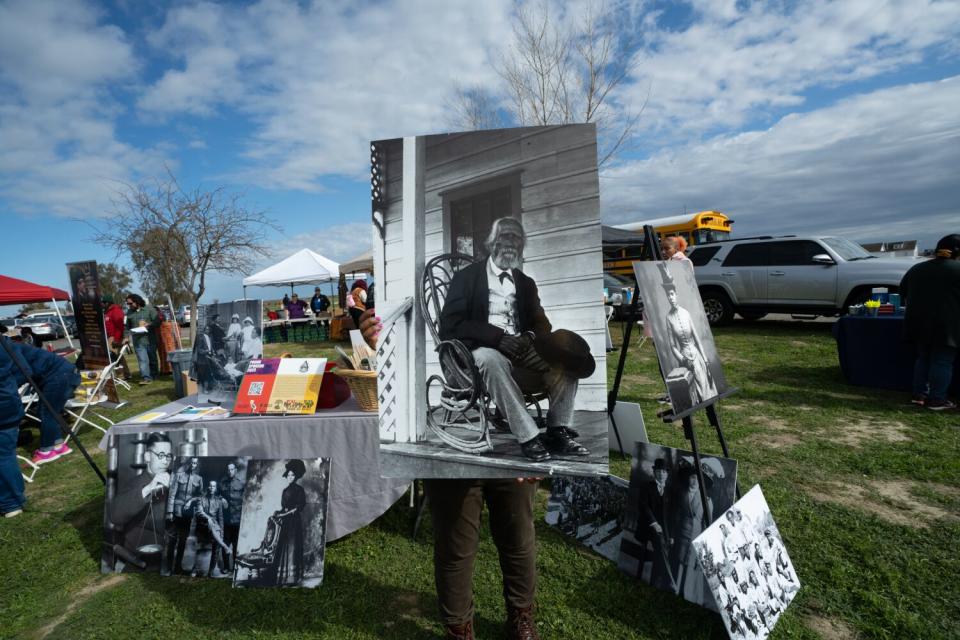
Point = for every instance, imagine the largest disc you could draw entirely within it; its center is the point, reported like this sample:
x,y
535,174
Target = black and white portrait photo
x,y
664,514
204,503
499,367
747,567
688,356
590,510
140,469
230,335
284,523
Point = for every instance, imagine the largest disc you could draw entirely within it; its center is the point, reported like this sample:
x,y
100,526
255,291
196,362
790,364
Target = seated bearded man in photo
x,y
494,309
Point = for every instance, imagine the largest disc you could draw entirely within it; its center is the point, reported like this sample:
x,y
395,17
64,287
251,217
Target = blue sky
x,y
796,117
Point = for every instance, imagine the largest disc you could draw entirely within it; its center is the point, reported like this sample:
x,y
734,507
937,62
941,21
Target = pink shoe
x,y
40,457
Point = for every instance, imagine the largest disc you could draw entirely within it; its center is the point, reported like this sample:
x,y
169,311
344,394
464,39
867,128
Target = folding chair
x,y
95,399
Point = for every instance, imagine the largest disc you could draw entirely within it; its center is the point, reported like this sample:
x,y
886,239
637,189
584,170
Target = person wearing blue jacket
x,y
11,413
57,378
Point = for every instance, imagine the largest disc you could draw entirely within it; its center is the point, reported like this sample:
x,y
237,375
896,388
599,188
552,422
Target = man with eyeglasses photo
x,y
139,508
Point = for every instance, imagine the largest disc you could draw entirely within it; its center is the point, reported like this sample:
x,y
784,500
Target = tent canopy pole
x,y
62,323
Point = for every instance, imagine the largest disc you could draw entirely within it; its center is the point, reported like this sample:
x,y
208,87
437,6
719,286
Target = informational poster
x,y
281,385
88,313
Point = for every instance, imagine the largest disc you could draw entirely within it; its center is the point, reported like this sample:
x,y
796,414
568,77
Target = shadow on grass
x,y
87,519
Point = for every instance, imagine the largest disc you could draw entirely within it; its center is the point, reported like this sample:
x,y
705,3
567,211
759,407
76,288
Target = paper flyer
x,y
281,385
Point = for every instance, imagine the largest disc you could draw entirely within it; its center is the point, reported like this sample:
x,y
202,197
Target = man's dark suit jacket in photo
x,y
466,310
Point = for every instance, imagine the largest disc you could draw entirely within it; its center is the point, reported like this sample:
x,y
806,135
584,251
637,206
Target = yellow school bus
x,y
695,228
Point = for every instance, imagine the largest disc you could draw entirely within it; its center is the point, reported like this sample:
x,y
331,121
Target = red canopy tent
x,y
15,291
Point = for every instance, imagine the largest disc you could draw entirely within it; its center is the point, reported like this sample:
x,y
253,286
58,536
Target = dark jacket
x,y
42,365
465,312
11,409
931,292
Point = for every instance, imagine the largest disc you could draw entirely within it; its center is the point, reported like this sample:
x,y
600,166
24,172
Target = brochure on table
x,y
280,385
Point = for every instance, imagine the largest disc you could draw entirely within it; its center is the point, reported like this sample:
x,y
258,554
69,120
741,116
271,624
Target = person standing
x,y
185,485
673,248
358,292
456,507
145,320
12,495
232,485
114,319
931,292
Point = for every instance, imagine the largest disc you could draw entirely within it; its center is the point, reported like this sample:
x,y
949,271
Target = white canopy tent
x,y
362,263
303,267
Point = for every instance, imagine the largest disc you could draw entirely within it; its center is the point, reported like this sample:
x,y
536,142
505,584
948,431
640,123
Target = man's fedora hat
x,y
568,350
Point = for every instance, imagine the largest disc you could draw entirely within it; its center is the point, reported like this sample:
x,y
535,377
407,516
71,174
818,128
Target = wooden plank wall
x,y
560,210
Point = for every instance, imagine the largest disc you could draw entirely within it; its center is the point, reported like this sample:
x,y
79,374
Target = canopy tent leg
x,y
62,323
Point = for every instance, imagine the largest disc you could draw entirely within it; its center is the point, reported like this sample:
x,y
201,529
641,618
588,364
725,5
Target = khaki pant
x,y
456,507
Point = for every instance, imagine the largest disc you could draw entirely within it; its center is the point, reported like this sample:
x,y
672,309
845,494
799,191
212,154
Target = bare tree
x,y
179,236
474,108
561,72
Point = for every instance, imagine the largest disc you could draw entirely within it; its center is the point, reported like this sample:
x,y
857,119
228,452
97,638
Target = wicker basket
x,y
363,385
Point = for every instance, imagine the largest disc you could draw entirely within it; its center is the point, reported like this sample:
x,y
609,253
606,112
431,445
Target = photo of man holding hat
x,y
494,309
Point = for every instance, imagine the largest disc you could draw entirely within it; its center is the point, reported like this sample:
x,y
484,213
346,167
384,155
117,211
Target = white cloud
x,y
740,61
873,166
60,151
320,81
339,242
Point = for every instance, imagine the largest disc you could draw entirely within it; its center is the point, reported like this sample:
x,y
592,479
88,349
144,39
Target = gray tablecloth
x,y
346,435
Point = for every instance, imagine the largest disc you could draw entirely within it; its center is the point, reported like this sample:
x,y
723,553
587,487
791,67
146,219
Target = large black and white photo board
x,y
230,334
590,510
747,567
489,233
664,514
139,473
689,361
282,538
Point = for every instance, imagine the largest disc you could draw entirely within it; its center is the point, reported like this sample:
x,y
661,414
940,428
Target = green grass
x,y
812,441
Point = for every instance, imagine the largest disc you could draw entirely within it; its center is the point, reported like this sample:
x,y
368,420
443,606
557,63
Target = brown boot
x,y
520,624
459,631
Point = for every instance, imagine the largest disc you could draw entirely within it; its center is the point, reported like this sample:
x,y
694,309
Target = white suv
x,y
816,275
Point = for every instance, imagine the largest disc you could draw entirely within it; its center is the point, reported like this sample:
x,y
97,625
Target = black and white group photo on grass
x,y
283,526
664,514
747,567
203,515
230,335
498,369
140,469
591,510
681,333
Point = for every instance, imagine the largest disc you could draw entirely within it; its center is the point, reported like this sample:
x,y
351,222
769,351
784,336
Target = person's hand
x,y
656,527
529,480
143,323
370,327
512,346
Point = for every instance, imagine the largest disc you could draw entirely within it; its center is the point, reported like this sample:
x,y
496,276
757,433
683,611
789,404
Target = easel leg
x,y
616,431
714,419
691,435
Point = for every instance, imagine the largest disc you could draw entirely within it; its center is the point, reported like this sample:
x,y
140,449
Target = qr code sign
x,y
256,389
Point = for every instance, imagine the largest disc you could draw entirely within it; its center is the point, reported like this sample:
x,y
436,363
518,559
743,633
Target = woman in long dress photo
x,y
687,349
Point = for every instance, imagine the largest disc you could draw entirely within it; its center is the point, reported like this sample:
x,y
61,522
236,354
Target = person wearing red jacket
x,y
114,319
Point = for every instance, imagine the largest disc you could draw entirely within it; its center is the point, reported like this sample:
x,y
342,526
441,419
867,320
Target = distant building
x,y
895,249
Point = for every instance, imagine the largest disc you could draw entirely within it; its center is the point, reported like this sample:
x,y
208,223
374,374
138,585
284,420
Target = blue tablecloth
x,y
873,354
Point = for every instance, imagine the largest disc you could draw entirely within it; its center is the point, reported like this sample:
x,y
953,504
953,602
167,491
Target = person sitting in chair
x,y
494,309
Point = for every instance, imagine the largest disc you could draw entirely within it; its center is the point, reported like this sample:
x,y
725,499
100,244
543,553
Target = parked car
x,y
71,322
45,326
183,315
809,275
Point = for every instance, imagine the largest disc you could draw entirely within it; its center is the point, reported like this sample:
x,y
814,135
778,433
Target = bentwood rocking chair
x,y
463,401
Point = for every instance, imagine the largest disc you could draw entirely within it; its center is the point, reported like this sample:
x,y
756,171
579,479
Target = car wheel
x,y
751,315
717,307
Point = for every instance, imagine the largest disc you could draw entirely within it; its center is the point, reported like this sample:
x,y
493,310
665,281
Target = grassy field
x,y
865,489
